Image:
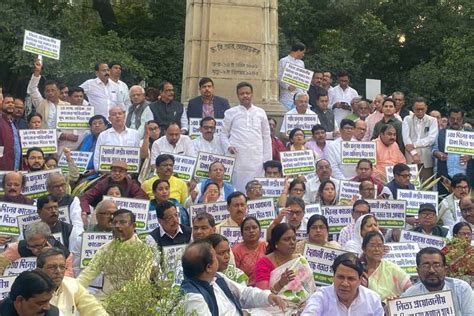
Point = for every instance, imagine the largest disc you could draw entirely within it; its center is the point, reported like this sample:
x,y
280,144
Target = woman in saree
x,y
282,271
327,194
318,234
363,225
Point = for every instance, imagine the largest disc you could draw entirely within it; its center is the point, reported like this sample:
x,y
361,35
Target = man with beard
x,y
19,114
69,295
173,142
467,211
10,146
34,159
432,269
277,144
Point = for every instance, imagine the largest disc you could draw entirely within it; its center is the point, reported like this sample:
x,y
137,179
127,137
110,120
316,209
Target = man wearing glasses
x,y
467,210
427,218
207,142
139,111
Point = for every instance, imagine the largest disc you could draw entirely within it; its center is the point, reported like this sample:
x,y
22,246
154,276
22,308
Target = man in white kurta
x,y
287,91
341,171
301,108
341,96
246,134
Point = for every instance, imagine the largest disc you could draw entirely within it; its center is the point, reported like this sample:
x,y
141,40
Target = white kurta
x,y
248,131
215,146
339,95
294,111
286,96
334,156
110,137
184,147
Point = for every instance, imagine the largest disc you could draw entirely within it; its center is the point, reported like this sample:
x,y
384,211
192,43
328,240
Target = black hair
x,y
317,127
50,83
205,119
388,99
161,86
294,131
360,202
430,251
366,219
30,283
399,168
242,85
208,184
365,160
46,253
277,231
419,100
193,267
249,218
98,117
342,73
42,201
458,178
162,207
295,182
272,164
206,216
173,123
75,89
31,115
349,260
456,110
205,80
458,226
323,185
157,182
345,122
322,94
215,239
113,63
162,158
234,195
110,186
298,46
368,237
121,211
62,86
313,219
386,127
97,66
32,149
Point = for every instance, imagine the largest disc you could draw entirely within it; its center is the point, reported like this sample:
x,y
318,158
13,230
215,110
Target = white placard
x,y
347,190
217,209
73,116
183,167
263,210
413,174
138,207
108,154
297,76
20,265
234,236
433,303
302,121
312,209
422,240
6,283
194,127
46,139
416,198
81,158
91,242
352,152
172,262
403,254
24,220
35,183
320,260
373,87
204,160
272,187
297,162
41,45
389,213
339,216
8,217
459,142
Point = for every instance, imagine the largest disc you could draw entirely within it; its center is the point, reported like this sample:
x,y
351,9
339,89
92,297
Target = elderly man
x,y
139,112
293,214
208,142
428,219
388,153
359,130
212,293
9,137
104,212
388,109
346,296
467,210
216,175
431,267
448,210
437,115
341,96
360,207
364,170
173,142
323,173
13,184
118,135
399,98
237,207
207,104
254,190
301,108
98,124
69,294
295,57
341,171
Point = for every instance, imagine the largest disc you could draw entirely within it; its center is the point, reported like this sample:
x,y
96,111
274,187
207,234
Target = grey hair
x,y
102,204
39,228
252,183
49,179
301,94
136,86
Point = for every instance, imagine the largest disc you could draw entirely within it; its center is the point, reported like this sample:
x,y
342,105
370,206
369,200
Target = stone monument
x,y
232,41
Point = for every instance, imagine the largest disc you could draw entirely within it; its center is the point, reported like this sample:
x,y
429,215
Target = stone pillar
x,y
232,41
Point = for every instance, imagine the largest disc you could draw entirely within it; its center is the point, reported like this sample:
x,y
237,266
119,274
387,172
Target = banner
x,y
415,198
352,152
217,209
339,216
459,142
422,240
8,217
194,127
263,210
297,162
403,254
73,116
46,139
389,213
184,167
35,183
6,283
320,260
41,45
414,179
81,158
297,76
91,242
204,160
302,121
108,154
138,207
433,303
20,265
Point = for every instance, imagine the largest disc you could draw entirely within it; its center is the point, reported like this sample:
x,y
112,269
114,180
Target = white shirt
x,y
110,137
184,146
75,215
102,96
123,96
249,297
294,111
151,241
147,115
339,95
214,146
312,187
286,96
339,171
419,125
324,302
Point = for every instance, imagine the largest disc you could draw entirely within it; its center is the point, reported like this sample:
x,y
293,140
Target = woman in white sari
x,y
364,224
284,273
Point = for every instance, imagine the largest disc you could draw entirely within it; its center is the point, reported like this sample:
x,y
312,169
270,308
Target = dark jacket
x,y
8,309
195,107
325,118
393,186
165,113
7,162
179,239
437,231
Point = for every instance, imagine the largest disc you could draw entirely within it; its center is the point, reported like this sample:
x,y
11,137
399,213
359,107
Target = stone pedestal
x,y
232,41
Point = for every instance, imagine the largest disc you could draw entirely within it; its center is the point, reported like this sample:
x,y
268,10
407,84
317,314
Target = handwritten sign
x,y
35,184
46,139
184,167
8,217
73,116
194,127
302,121
403,254
172,262
352,152
91,242
297,76
312,209
389,213
459,142
25,220
152,223
204,160
320,260
414,179
339,216
416,198
137,206
20,265
422,240
263,210
234,235
433,303
108,154
297,162
81,158
41,45
272,187
217,209
6,283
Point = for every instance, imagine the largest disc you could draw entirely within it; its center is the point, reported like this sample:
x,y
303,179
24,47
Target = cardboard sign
x,y
459,142
217,209
20,265
312,209
414,179
297,162
416,198
46,139
91,242
35,184
352,152
194,127
9,213
339,216
422,240
184,167
41,45
172,262
389,213
403,254
272,187
373,87
137,206
320,260
6,283
234,235
433,303
73,116
302,121
297,76
81,158
204,160
108,154
25,220
263,210
347,190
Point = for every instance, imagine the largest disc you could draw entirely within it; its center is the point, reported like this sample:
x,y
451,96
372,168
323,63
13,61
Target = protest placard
x,y
302,121
194,127
35,183
389,213
414,179
263,210
339,216
347,191
297,76
459,142
5,285
352,152
204,160
373,87
301,234
41,45
24,220
8,217
172,262
311,209
422,240
73,116
217,209
20,265
403,254
183,167
272,187
91,242
138,207
297,162
433,303
46,139
320,260
234,236
415,198
81,158
108,154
